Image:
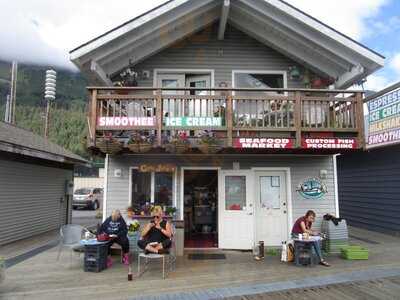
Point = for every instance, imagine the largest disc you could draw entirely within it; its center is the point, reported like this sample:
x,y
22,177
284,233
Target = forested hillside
x,y
68,120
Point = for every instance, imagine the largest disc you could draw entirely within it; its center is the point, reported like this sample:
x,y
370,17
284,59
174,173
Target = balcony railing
x,y
231,113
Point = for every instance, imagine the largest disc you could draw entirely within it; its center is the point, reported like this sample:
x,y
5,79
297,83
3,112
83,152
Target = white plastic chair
x,y
70,236
168,259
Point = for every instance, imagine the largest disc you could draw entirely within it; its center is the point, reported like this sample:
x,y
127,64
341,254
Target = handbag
x,y
103,237
290,253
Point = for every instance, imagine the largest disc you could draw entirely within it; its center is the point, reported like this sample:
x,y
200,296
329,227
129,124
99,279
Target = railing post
x,y
93,117
360,120
297,118
159,112
229,119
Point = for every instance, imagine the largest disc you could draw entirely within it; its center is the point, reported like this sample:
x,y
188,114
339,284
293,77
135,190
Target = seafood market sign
x,y
384,120
312,188
263,143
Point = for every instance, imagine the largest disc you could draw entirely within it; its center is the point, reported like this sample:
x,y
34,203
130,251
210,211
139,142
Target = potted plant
x,y
133,227
108,144
208,143
140,144
2,269
130,212
178,143
170,211
126,78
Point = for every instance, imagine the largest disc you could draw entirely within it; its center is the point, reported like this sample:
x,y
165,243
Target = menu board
x,y
384,120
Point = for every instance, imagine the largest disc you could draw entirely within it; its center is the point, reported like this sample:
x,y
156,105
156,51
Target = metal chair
x,y
70,236
168,259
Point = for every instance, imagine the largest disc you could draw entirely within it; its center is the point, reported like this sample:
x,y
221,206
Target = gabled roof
x,y
273,22
20,141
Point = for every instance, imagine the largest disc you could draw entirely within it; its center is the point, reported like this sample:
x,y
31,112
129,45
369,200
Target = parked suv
x,y
91,198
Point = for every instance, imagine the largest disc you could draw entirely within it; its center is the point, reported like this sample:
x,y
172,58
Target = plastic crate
x,y
94,266
95,259
355,252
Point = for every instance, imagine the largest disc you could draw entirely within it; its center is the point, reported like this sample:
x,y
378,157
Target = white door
x,y
271,209
236,224
172,107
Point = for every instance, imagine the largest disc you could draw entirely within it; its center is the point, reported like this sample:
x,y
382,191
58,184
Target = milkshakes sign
x,y
384,120
125,122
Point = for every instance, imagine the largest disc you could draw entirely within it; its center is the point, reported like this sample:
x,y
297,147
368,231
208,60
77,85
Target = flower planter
x,y
109,146
145,147
208,149
177,148
134,148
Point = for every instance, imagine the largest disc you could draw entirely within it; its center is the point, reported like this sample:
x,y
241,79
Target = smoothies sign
x,y
328,143
126,122
384,120
263,143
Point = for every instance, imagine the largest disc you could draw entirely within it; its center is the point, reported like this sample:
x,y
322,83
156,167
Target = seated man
x,y
116,228
156,236
303,226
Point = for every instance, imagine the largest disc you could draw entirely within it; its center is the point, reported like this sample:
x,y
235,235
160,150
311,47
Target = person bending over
x,y
116,229
303,226
156,235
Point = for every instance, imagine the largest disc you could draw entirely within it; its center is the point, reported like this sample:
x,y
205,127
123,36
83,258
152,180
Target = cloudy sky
x,y
43,31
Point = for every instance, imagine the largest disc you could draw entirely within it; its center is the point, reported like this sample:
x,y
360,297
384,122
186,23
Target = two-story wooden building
x,y
243,104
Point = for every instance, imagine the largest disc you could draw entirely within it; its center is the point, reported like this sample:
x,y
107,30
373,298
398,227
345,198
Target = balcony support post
x,y
229,119
360,120
93,118
297,118
159,112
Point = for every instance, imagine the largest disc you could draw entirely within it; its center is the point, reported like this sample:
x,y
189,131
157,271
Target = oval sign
x,y
312,188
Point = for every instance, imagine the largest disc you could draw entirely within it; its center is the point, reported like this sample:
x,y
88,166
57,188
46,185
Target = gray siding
x,y
301,167
30,199
203,50
369,189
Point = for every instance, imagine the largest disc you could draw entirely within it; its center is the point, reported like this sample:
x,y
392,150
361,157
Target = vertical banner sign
x,y
384,120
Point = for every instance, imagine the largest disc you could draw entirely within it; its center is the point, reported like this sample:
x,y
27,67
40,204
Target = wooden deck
x,y
231,114
41,277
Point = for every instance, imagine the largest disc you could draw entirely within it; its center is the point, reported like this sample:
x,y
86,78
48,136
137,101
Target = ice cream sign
x,y
263,143
193,122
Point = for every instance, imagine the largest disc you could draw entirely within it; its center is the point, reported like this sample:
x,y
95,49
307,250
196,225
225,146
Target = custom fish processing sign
x,y
263,143
312,188
329,143
384,120
193,122
126,122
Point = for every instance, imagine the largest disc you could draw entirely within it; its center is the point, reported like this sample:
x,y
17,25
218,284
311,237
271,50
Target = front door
x,y
271,212
236,225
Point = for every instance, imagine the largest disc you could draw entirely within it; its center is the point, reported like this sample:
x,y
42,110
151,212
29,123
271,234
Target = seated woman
x,y
116,228
303,226
156,236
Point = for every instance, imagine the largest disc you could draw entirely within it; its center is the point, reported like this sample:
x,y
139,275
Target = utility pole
x,y
7,114
49,95
13,94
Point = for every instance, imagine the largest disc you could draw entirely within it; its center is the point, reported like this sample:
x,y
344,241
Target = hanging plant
x,y
208,143
109,145
140,144
178,143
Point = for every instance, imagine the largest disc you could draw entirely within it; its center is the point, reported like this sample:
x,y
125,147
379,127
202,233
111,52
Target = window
x,y
151,188
235,192
258,80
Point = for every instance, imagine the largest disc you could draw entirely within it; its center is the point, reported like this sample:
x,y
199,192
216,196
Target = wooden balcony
x,y
320,120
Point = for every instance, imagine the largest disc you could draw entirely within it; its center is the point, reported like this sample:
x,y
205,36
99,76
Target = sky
x,y
44,31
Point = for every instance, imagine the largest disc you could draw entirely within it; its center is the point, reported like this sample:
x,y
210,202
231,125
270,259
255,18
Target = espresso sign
x,y
384,120
126,122
263,143
160,168
329,143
